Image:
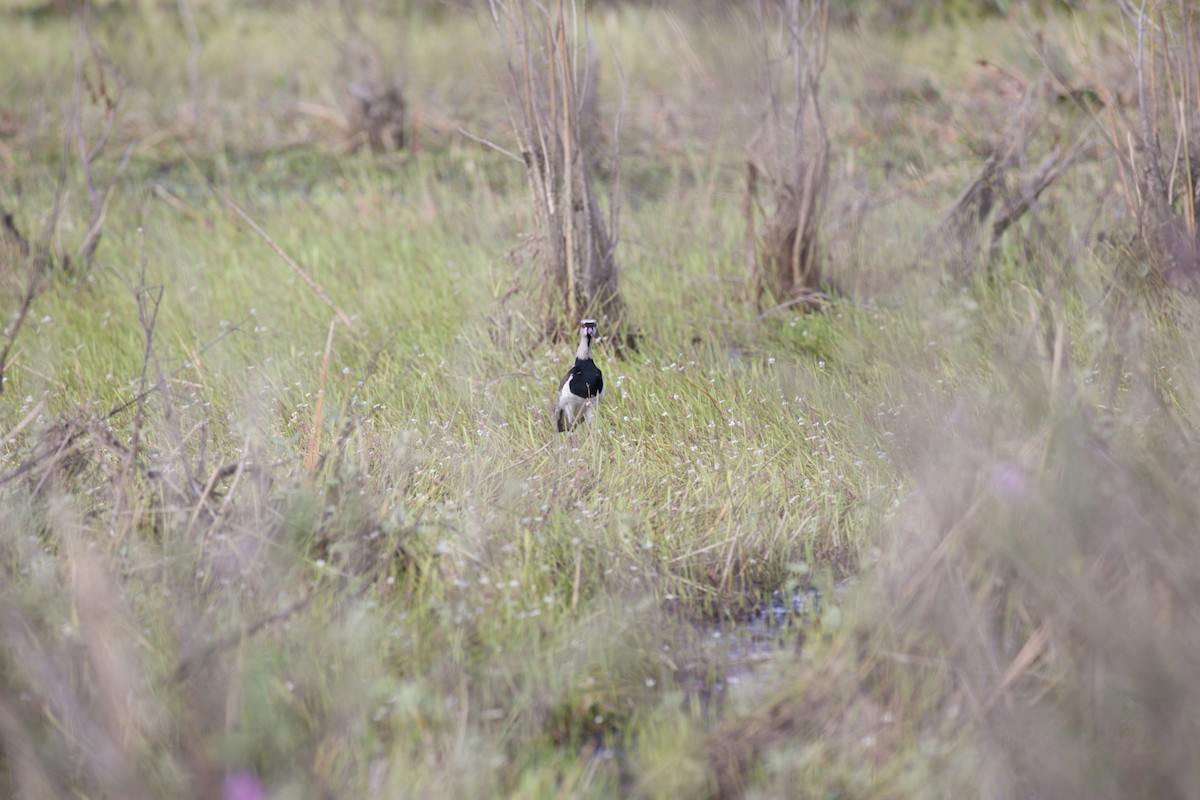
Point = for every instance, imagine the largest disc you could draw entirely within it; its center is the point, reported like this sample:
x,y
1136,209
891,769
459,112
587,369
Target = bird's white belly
x,y
574,405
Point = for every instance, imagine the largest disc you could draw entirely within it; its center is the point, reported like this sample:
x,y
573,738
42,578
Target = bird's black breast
x,y
586,379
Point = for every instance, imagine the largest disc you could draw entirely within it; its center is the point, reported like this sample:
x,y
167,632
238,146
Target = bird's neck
x,y
584,353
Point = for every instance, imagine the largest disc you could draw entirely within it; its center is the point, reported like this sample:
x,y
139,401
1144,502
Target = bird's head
x,y
587,332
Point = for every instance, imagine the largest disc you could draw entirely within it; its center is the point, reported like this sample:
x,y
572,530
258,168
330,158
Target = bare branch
x,y
491,144
291,262
89,153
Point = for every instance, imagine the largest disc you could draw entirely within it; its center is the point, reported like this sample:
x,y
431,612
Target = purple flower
x,y
244,785
1009,483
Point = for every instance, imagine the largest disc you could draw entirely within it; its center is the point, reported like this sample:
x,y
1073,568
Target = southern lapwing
x,y
583,387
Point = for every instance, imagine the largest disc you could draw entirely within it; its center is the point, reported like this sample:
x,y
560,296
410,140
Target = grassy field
x,y
250,548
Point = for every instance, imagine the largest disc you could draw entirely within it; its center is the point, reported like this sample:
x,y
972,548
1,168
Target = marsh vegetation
x,y
908,302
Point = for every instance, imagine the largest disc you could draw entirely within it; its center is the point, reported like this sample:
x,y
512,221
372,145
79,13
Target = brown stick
x,y
291,262
35,283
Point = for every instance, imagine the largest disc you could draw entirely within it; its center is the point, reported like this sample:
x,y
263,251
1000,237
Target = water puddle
x,y
716,661
723,656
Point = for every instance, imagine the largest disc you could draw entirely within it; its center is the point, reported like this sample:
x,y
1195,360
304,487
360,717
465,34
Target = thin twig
x,y
491,144
193,60
291,262
36,280
20,426
89,153
1149,143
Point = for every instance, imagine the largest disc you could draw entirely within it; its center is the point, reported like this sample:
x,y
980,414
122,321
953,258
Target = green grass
x,y
998,473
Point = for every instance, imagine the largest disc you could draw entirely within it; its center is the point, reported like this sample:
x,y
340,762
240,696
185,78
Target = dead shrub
x,y
1153,141
551,110
1164,171
1007,188
373,97
790,155
376,116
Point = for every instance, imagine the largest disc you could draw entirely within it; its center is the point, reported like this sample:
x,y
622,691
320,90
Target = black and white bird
x,y
583,386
